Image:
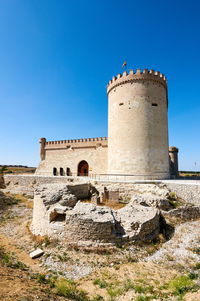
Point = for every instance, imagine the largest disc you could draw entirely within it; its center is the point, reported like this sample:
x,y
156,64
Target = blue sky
x,y
56,58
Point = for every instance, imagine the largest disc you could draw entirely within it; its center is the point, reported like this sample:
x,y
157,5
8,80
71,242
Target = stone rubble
x,y
152,196
182,214
152,200
62,196
139,222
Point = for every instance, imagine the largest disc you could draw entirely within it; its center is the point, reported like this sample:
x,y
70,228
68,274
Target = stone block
x,y
37,253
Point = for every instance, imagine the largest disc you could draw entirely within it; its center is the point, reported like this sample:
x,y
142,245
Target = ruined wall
x,y
187,190
138,125
58,198
32,180
58,213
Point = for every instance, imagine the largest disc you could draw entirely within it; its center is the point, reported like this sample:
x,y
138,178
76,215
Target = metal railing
x,y
102,177
108,177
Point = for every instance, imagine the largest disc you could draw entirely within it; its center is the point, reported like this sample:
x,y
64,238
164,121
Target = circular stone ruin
x,y
59,213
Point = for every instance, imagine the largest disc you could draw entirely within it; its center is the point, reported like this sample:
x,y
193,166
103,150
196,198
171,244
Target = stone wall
x,y
32,180
25,184
58,197
187,190
61,154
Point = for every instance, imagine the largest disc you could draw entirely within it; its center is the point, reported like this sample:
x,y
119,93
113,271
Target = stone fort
x,y
137,143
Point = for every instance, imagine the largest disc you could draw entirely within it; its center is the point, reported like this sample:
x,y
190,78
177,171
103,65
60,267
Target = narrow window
x,y
68,172
55,171
154,104
121,104
61,171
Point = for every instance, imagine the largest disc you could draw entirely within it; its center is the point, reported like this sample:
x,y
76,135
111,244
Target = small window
x,y
55,171
154,104
61,171
68,172
121,104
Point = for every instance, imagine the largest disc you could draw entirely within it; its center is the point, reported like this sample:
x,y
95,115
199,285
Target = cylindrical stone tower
x,y
173,154
138,125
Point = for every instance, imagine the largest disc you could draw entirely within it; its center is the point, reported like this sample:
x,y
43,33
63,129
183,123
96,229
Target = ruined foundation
x,y
59,213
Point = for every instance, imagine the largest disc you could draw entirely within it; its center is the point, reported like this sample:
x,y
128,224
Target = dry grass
x,y
115,205
16,170
21,199
140,281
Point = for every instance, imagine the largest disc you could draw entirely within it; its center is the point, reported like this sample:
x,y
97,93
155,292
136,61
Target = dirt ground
x,y
159,271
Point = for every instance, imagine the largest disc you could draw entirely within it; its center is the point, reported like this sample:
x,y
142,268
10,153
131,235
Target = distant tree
x,y
3,169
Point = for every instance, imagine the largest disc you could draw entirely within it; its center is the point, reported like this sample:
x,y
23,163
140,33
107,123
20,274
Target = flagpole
x,y
124,65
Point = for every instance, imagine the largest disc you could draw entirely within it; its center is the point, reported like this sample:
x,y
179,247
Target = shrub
x,y
67,288
97,298
193,275
3,169
140,289
180,285
114,292
10,261
41,278
127,285
196,250
142,298
100,282
64,257
118,289
46,279
197,266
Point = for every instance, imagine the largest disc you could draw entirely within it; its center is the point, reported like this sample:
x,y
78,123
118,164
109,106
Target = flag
x,y
124,64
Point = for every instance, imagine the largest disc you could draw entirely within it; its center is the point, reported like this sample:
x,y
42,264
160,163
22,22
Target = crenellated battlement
x,y
173,149
135,75
76,140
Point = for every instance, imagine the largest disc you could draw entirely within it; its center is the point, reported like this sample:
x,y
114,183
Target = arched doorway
x,y
83,168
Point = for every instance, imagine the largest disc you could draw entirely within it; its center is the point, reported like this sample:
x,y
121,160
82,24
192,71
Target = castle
x,y
137,143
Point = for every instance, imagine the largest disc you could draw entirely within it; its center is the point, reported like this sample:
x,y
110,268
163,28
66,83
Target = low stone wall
x,y
181,214
25,184
27,180
189,192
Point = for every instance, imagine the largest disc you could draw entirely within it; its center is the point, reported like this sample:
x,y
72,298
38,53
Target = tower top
x,y
173,149
139,74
